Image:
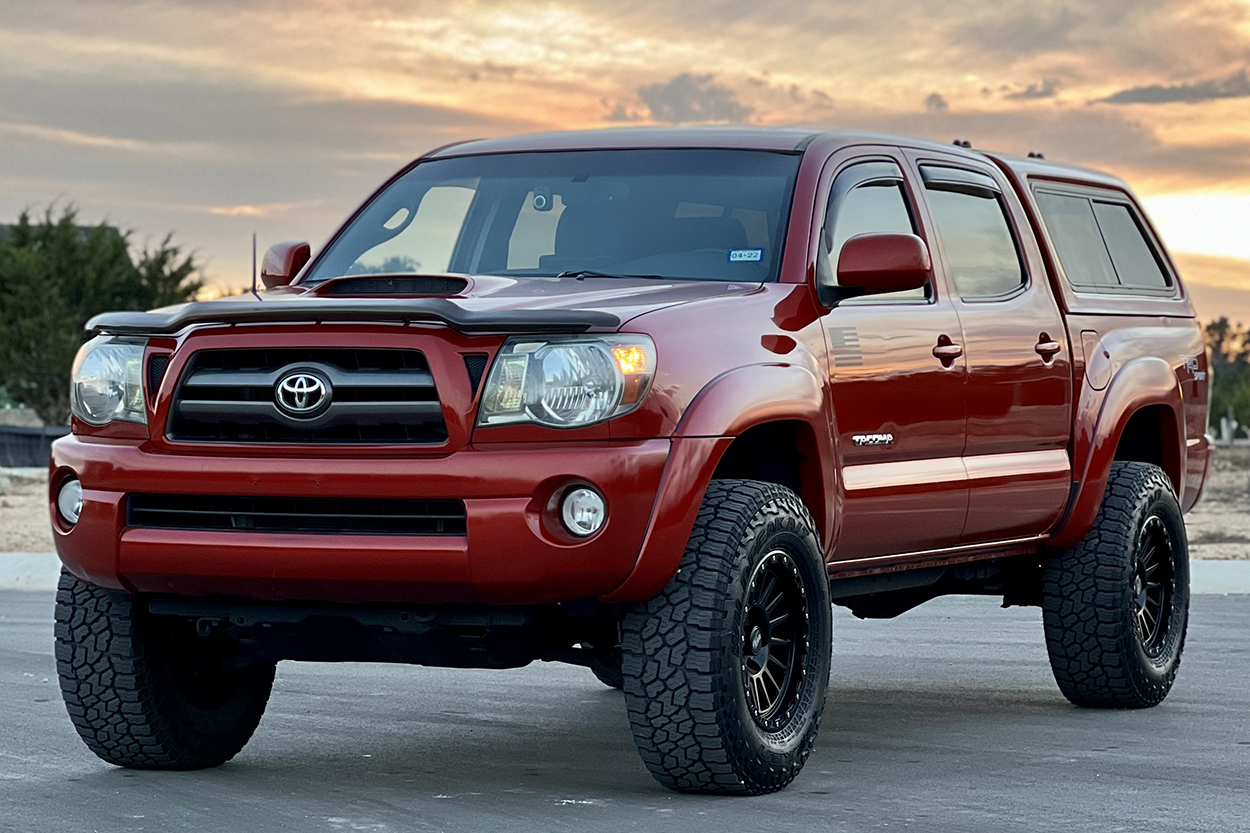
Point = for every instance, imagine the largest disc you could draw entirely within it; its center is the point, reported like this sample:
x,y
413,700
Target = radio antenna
x,y
254,292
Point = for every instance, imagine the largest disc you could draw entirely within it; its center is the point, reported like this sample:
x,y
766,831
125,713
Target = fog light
x,y
69,500
583,512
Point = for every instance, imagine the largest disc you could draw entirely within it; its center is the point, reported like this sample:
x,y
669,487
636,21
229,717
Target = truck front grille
x,y
355,516
374,396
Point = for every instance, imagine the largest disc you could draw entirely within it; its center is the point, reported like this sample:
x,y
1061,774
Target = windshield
x,y
679,214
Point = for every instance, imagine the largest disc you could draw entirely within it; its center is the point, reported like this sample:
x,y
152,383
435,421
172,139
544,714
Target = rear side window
x,y
1135,263
1074,231
980,250
1101,244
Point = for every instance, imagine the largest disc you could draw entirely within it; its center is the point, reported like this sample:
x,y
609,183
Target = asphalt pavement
x,y
945,719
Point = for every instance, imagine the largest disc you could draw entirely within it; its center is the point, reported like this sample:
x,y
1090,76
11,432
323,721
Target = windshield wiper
x,y
591,273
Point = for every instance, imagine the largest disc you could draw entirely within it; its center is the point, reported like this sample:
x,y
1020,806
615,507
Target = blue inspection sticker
x,y
746,255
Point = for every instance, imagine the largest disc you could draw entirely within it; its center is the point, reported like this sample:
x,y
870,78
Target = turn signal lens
x,y
630,359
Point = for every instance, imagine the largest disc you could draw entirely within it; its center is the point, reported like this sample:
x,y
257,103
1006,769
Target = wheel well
x,y
1151,437
783,452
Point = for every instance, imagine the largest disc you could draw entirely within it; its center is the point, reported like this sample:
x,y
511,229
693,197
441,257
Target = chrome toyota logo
x,y
302,394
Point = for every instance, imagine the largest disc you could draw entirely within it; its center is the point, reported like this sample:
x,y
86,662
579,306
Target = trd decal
x,y
873,439
844,347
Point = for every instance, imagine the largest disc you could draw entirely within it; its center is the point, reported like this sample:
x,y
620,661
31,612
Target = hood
x,y
625,298
468,304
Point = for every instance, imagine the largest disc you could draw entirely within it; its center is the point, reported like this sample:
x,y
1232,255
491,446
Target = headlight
x,y
567,382
107,381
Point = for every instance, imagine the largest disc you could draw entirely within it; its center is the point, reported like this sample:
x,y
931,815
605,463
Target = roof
x,y
702,136
784,139
1037,167
754,138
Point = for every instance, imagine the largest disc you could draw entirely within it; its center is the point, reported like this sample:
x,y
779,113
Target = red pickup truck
x,y
651,402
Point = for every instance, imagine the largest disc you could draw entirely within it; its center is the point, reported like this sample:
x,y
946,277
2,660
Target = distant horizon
x,y
212,121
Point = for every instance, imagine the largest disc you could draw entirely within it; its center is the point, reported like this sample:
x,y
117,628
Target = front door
x,y
897,386
1015,344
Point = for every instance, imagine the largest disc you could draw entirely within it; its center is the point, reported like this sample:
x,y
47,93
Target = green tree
x,y
168,275
1228,350
54,276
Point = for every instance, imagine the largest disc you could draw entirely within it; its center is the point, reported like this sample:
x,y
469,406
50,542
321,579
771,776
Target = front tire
x,y
147,694
726,670
1116,606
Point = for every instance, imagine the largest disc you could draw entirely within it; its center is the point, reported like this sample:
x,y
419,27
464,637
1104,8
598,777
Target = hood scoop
x,y
372,285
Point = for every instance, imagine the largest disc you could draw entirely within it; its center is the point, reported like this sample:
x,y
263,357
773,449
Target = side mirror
x,y
282,263
873,264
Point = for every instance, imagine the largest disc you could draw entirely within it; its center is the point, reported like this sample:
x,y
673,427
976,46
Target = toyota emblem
x,y
302,394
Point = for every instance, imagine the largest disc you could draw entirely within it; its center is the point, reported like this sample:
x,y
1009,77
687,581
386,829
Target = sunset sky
x,y
216,118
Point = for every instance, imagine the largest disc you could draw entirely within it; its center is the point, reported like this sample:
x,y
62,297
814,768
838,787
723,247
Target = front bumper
x,y
513,552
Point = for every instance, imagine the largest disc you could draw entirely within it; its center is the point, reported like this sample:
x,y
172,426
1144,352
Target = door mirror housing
x,y
874,264
282,263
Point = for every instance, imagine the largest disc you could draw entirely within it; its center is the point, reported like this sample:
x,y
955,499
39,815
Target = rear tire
x,y
150,694
1116,606
726,670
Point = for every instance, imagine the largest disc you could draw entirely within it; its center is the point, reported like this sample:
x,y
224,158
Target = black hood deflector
x,y
403,310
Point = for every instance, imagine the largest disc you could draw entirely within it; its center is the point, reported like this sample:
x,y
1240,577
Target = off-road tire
x,y
1096,644
130,703
685,656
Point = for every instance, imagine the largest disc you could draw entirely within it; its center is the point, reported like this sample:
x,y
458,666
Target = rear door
x,y
898,405
1019,395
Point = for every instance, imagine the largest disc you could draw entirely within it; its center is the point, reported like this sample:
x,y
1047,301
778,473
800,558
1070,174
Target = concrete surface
x,y
29,571
945,719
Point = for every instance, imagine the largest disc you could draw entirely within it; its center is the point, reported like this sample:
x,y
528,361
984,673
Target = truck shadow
x,y
571,742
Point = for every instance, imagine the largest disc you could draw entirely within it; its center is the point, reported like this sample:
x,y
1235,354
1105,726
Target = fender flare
x,y
1141,383
727,406
746,396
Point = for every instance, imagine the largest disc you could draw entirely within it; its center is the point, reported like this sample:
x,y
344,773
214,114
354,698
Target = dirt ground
x,y
1219,527
24,524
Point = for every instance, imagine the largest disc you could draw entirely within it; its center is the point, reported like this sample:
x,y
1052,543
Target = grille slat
x,y
379,396
357,516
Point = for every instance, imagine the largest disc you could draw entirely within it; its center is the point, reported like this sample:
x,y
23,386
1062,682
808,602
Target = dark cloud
x,y
1236,85
1093,41
1093,137
1046,89
621,112
935,103
229,115
157,155
1022,30
693,98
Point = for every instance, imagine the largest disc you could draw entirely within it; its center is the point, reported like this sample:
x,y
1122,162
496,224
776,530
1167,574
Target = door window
x,y
866,199
981,252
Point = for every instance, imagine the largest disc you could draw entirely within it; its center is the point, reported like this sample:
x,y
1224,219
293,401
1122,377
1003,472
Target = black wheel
x,y
726,670
1117,604
148,693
